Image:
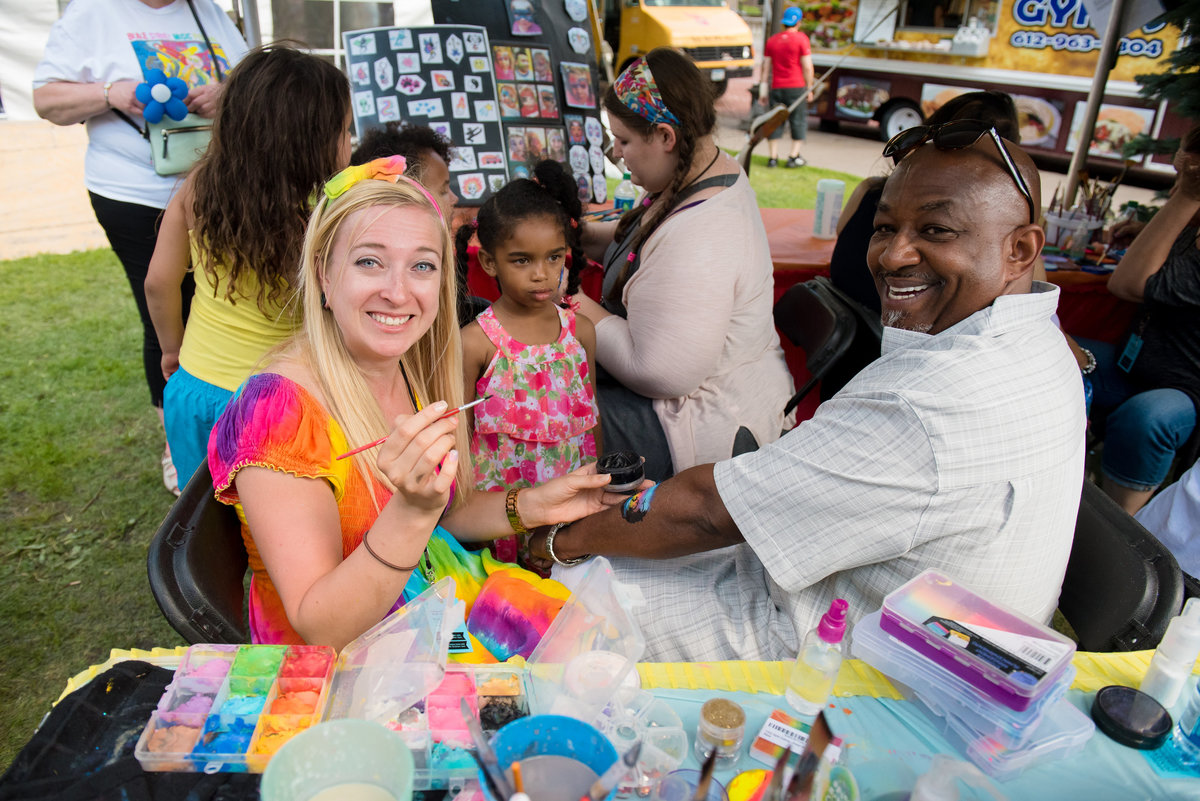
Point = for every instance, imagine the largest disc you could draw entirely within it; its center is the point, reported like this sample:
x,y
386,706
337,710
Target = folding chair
x,y
197,566
1122,586
815,319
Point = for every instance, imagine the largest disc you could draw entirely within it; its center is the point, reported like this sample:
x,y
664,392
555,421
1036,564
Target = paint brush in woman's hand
x,y
382,440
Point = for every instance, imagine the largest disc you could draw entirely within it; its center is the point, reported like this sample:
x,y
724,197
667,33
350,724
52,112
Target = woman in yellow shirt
x,y
238,221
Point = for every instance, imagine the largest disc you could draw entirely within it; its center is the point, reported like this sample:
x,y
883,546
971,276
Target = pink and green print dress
x,y
537,424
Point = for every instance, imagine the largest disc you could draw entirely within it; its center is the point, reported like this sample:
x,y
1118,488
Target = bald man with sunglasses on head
x,y
961,448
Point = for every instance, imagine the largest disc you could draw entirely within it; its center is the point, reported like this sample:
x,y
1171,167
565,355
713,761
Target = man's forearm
x,y
680,516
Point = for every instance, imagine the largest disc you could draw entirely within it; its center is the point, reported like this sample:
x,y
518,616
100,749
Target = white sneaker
x,y
170,477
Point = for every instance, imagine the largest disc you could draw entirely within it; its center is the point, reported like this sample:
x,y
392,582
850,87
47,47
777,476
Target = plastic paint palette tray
x,y
1007,656
230,708
434,729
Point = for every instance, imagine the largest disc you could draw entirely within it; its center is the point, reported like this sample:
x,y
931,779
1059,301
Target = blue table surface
x,y
881,735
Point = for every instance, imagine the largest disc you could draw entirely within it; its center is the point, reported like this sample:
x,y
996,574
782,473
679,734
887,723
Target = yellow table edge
x,y
1093,671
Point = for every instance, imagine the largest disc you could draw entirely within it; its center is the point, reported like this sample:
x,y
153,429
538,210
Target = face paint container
x,y
722,729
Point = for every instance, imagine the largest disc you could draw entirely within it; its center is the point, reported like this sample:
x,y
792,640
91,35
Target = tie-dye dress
x,y
274,422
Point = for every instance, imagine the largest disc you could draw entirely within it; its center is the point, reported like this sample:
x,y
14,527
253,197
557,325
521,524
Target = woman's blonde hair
x,y
433,365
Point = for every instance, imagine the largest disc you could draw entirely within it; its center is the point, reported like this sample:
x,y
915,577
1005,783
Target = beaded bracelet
x,y
383,561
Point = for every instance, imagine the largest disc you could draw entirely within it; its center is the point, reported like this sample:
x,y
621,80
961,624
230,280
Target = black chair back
x,y
815,319
197,566
1122,586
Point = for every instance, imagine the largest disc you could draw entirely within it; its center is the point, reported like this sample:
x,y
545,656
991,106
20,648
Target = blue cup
x,y
551,735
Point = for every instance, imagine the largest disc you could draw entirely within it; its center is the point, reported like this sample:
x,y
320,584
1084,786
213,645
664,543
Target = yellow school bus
x,y
709,31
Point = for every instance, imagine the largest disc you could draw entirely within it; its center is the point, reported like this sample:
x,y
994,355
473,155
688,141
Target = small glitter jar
x,y
722,728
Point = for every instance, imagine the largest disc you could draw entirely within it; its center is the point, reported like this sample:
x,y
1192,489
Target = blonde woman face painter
x,y
382,282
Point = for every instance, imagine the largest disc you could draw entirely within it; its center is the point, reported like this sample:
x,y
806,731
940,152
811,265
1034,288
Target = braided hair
x,y
690,97
551,192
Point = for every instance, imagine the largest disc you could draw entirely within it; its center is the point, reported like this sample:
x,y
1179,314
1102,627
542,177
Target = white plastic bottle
x,y
625,194
1175,657
818,662
1187,732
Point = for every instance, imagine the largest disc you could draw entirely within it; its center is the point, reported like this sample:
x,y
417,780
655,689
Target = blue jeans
x,y
1143,430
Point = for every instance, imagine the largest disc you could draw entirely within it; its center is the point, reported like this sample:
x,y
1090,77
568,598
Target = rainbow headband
x,y
636,89
389,169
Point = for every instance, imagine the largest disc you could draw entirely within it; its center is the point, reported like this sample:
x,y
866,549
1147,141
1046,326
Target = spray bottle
x,y
818,662
1175,656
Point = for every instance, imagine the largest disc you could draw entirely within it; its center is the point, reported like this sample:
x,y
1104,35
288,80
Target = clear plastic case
x,y
1009,657
929,681
1062,731
588,651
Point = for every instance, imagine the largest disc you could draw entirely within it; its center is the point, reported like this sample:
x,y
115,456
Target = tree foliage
x,y
1179,84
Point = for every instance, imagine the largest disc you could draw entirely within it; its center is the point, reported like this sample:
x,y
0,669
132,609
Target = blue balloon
x,y
142,93
155,76
153,112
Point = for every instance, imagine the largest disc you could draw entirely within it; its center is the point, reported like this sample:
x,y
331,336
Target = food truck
x,y
898,61
716,38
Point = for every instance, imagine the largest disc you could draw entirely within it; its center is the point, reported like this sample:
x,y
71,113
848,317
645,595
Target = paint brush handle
x,y
382,440
362,448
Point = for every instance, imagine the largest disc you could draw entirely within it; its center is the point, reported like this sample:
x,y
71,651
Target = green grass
x,y
783,188
80,484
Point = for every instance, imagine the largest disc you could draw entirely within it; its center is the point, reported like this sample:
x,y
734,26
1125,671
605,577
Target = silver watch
x,y
550,548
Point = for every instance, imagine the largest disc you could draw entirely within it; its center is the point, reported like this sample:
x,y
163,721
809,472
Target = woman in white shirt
x,y
685,335
93,62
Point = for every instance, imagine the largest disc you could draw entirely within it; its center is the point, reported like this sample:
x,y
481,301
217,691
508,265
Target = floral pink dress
x,y
537,424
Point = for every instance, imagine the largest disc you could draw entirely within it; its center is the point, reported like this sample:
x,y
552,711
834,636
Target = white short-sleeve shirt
x,y
962,451
97,41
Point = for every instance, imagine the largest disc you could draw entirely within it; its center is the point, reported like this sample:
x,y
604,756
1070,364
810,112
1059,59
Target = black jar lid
x,y
625,467
1131,717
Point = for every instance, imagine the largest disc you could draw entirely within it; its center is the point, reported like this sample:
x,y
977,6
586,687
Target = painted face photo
x,y
535,144
509,105
577,79
516,144
555,146
542,71
504,63
546,103
529,102
575,133
524,64
521,17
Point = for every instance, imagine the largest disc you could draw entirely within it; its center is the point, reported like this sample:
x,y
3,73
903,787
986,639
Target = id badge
x,y
1128,356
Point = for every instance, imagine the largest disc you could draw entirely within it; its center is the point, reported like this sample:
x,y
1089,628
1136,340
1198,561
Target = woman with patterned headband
x,y
690,360
339,534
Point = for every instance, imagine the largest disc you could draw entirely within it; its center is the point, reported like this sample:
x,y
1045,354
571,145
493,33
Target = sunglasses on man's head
x,y
957,135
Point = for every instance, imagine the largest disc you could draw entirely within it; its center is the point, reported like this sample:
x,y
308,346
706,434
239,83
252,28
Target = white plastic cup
x,y
829,207
340,754
1062,231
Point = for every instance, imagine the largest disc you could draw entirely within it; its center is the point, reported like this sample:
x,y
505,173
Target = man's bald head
x,y
952,234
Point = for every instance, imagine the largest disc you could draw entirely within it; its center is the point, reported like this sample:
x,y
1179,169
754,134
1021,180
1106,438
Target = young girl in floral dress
x,y
534,358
